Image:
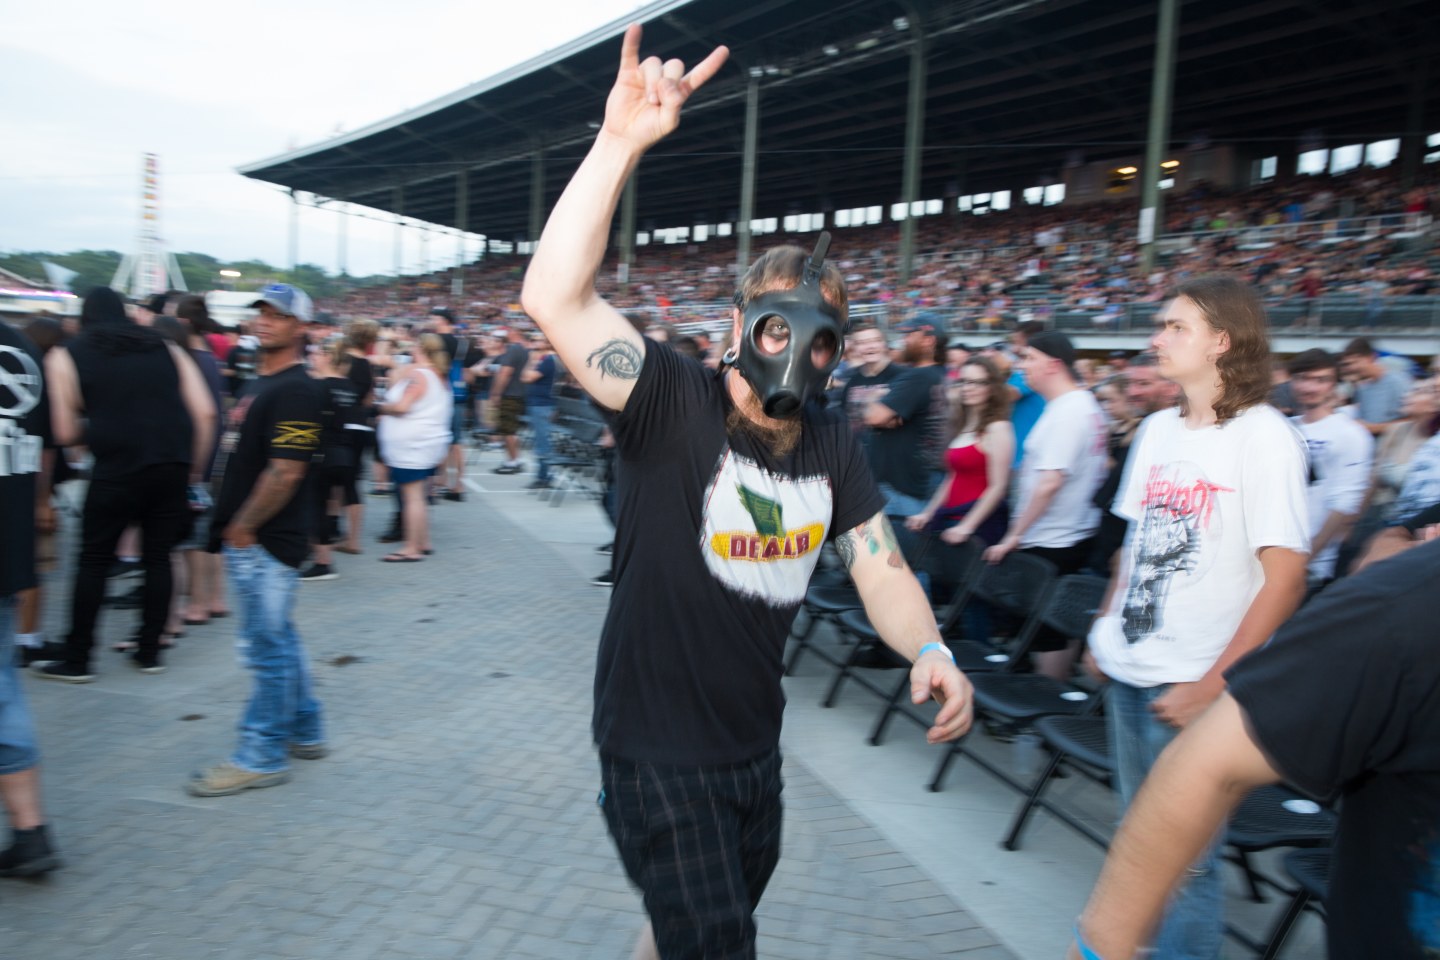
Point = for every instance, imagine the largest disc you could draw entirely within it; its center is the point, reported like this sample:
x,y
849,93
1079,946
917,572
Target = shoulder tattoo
x,y
617,358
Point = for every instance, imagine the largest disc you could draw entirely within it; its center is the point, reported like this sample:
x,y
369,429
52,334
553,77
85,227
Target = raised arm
x,y
592,339
900,613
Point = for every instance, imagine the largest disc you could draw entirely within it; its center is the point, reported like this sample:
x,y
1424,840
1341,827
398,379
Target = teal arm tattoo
x,y
871,537
616,358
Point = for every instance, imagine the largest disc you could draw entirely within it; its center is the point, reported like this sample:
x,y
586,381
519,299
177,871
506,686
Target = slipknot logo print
x,y
1189,499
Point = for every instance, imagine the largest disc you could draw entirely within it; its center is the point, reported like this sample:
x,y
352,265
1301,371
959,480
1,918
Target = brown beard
x,y
779,440
915,354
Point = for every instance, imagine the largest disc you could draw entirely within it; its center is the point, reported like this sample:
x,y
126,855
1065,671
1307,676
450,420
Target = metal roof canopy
x,y
1015,87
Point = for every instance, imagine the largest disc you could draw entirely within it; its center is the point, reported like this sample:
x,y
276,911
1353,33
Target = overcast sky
x,y
90,87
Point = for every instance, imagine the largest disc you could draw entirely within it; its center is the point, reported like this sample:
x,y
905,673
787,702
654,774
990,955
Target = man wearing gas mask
x,y
730,481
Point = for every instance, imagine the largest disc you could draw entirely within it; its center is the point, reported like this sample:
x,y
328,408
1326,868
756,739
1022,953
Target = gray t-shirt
x,y
515,357
1379,401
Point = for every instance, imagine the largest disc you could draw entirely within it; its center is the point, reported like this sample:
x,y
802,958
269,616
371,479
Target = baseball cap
x,y
923,322
289,300
443,312
1052,343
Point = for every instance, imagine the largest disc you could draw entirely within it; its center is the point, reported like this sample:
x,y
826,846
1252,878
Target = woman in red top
x,y
970,501
980,441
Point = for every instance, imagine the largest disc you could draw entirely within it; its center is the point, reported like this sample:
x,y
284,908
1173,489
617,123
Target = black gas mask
x,y
786,379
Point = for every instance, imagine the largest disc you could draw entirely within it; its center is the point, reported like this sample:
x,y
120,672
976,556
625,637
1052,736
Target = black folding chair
x,y
1310,870
1016,585
830,594
854,625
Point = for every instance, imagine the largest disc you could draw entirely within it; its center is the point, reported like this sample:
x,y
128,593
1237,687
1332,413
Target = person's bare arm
x,y
899,611
593,340
1278,598
62,381
1199,779
1386,544
275,487
1047,485
414,391
201,407
881,417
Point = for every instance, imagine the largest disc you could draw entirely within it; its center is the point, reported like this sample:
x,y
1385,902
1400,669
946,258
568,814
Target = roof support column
x,y
294,230
1162,89
340,229
537,195
747,178
914,144
397,200
1412,140
627,233
462,223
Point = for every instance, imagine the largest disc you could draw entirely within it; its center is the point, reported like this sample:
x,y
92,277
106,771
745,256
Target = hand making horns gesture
x,y
644,105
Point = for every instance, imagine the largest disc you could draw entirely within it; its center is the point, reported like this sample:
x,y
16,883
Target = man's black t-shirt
x,y
340,410
277,418
715,543
515,357
1346,701
24,431
904,456
859,392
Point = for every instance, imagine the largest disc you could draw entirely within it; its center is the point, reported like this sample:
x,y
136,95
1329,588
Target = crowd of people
x,y
1263,524
1296,239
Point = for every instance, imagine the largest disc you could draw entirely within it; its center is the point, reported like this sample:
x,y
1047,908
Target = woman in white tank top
x,y
414,437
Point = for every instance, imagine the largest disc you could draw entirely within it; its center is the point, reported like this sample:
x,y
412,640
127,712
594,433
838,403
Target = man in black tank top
x,y
142,408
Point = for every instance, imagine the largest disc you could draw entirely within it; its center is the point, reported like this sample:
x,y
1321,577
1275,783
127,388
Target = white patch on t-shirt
x,y
761,532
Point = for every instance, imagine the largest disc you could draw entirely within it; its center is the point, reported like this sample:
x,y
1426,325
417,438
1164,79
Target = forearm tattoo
x,y
871,537
616,358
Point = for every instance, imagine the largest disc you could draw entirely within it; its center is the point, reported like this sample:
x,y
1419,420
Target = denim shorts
x,y
17,733
403,475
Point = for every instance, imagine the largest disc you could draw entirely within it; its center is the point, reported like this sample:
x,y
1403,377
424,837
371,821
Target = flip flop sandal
x,y
400,558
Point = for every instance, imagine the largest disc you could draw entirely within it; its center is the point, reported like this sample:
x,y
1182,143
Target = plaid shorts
x,y
701,844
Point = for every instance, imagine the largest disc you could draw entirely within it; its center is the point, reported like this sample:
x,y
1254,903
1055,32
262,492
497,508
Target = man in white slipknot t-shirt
x,y
1215,558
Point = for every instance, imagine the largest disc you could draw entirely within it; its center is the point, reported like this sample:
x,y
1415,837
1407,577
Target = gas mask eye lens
x,y
822,349
773,335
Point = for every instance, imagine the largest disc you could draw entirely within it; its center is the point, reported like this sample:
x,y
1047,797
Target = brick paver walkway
x,y
456,816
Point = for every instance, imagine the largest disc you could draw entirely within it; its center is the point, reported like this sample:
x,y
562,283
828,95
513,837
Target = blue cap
x,y
289,300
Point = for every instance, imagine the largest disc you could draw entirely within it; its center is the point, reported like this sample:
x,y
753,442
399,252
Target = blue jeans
x,y
18,752
540,424
1193,927
282,708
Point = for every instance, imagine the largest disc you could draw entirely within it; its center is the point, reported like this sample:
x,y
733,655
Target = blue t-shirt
x,y
541,393
1027,409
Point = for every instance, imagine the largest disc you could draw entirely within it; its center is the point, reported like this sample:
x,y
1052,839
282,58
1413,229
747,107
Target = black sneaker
x,y
454,496
506,468
29,854
318,571
65,672
46,653
122,568
606,579
151,665
607,549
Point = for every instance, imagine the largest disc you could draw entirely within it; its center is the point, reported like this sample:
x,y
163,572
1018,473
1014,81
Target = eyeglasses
x,y
973,383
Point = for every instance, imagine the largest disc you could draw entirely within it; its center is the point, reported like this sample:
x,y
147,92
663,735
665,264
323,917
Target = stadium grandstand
x,y
991,161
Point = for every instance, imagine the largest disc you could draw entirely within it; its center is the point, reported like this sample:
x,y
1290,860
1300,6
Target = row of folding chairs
x,y
1067,718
